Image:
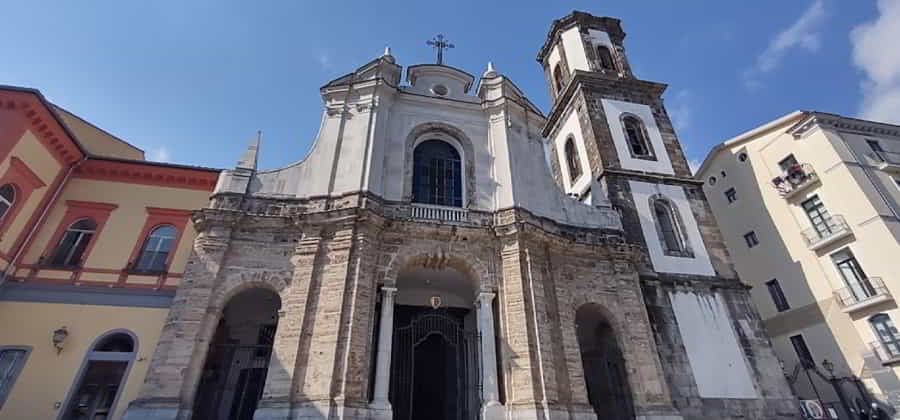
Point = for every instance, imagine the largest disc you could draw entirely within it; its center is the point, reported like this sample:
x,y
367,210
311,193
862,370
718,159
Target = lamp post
x,y
836,384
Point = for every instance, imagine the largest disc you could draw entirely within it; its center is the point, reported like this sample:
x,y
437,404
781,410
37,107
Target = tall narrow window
x,y
558,79
819,216
858,284
12,360
669,228
876,149
781,303
74,242
437,177
7,199
96,391
636,136
802,350
787,163
887,333
606,58
572,160
156,249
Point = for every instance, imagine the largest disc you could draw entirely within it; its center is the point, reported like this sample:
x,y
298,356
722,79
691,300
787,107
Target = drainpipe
x,y
40,220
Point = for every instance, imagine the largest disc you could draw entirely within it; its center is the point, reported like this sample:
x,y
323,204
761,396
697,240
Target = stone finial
x,y
250,157
490,72
387,54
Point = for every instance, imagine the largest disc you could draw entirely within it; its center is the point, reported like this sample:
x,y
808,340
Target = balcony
x,y
439,213
796,179
834,229
887,354
865,293
886,161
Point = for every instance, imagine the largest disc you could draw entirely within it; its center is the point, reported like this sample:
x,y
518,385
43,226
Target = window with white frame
x,y
670,228
606,58
637,138
887,334
12,360
573,161
156,249
74,242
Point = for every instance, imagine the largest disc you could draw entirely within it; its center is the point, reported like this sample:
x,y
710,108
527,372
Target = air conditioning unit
x,y
812,409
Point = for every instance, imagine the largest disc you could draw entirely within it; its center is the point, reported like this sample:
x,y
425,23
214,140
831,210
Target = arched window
x,y
73,243
572,160
103,376
156,249
437,174
887,334
606,58
7,199
669,228
558,79
636,136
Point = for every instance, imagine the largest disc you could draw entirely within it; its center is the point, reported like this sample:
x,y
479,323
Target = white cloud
x,y
876,53
679,109
160,154
804,33
324,60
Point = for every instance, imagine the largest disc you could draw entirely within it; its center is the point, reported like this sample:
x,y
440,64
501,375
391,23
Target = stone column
x,y
490,395
383,358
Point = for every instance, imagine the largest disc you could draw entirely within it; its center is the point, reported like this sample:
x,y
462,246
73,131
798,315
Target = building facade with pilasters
x,y
450,252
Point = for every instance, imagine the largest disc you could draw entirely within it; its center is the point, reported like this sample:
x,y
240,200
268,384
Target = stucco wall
x,y
48,377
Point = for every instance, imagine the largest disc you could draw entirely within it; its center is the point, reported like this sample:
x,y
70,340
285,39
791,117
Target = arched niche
x,y
605,373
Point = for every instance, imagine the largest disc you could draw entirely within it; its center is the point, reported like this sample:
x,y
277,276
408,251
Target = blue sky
x,y
192,81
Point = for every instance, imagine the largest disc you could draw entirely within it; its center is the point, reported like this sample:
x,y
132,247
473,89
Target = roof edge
x,y
747,135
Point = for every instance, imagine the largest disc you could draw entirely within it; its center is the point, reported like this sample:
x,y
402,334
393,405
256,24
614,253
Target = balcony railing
x,y
865,292
887,353
831,230
441,213
886,161
797,178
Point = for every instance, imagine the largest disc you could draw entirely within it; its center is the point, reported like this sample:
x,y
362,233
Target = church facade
x,y
447,251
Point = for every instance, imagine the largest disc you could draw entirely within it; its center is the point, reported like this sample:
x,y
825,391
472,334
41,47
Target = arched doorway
x,y
238,358
102,377
604,366
435,360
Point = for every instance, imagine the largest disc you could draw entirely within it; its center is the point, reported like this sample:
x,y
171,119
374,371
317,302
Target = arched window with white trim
x,y
637,138
105,369
7,199
155,252
558,79
437,174
573,161
74,242
670,228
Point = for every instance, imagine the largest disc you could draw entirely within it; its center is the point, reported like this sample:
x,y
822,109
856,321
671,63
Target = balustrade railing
x,y
832,227
863,290
796,178
434,212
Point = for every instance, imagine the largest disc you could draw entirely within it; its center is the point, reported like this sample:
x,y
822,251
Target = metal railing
x,y
864,289
444,213
794,179
885,353
832,227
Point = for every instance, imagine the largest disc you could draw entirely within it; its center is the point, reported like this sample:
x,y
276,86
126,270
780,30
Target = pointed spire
x,y
490,72
250,157
387,54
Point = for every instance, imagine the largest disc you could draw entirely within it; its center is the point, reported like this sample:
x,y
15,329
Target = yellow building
x,y
809,205
93,242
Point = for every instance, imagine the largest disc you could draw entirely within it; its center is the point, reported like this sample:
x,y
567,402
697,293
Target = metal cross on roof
x,y
440,43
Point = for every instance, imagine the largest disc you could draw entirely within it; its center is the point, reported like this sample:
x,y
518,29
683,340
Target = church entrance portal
x,y
434,365
238,358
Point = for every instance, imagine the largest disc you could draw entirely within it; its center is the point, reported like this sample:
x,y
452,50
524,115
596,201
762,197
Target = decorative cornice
x,y
839,122
138,172
43,123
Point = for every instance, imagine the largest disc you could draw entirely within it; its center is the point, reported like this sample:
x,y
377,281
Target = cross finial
x,y
440,43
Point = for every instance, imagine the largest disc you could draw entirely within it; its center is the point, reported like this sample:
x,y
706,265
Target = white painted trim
x,y
614,111
91,355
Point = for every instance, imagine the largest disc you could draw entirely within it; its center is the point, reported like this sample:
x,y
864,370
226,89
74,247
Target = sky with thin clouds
x,y
192,82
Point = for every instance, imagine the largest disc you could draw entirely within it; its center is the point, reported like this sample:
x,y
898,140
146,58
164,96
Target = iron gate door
x,y
435,368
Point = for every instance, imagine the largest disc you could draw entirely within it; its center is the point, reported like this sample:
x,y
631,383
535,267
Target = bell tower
x,y
610,140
